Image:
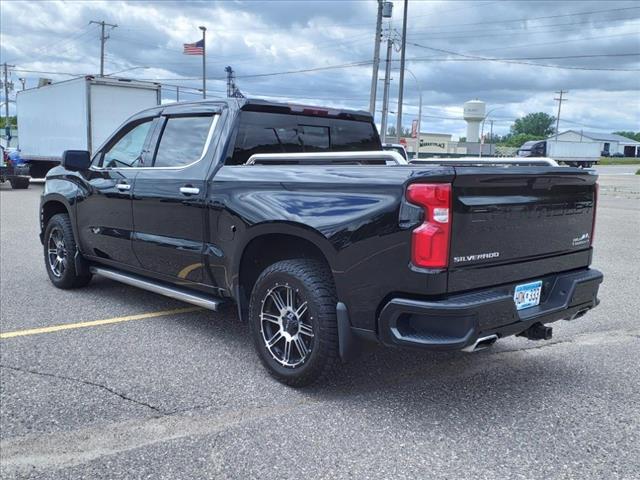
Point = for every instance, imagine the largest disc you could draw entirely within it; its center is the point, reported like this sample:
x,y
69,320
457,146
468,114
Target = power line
x,y
526,30
63,41
583,39
529,19
521,61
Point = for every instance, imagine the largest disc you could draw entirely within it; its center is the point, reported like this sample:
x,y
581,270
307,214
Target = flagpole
x,y
204,62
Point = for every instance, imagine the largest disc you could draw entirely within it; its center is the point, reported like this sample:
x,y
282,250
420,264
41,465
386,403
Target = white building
x,y
435,143
609,142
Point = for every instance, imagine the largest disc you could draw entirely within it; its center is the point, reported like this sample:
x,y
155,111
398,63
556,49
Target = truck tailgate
x,y
517,222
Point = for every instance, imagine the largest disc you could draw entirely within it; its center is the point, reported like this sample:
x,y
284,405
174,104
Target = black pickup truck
x,y
320,238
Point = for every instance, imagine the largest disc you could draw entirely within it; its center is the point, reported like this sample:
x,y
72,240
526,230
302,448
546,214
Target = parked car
x,y
617,155
13,171
290,213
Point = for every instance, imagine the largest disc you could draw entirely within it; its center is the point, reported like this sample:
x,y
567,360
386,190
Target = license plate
x,y
527,295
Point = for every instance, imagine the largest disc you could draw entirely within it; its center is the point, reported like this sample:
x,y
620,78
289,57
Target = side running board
x,y
171,291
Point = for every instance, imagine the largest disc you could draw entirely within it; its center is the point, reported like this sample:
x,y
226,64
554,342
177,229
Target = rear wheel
x,y
59,252
293,321
19,183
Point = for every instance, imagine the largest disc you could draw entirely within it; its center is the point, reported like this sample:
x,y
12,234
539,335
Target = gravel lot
x,y
183,395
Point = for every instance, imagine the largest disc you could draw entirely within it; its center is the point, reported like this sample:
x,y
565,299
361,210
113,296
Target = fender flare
x,y
68,205
284,227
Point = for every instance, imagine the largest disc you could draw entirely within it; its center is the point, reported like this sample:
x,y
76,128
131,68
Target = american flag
x,y
194,48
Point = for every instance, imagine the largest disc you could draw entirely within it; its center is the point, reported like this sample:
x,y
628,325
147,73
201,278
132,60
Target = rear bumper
x,y
458,321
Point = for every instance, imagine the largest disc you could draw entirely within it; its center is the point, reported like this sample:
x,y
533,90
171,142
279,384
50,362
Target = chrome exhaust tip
x,y
481,344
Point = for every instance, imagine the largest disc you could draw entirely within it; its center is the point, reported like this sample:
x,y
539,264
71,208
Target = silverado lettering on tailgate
x,y
478,256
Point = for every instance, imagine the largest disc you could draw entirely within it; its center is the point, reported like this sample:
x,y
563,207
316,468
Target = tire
x,y
19,183
37,170
313,329
59,251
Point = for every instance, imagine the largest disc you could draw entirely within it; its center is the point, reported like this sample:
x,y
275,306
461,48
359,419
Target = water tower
x,y
474,113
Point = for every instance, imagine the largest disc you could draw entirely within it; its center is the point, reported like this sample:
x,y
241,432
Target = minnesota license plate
x,y
527,295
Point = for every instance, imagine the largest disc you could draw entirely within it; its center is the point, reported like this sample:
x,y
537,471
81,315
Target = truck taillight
x,y
430,241
595,208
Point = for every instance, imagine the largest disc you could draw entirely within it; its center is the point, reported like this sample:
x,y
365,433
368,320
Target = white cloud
x,y
264,37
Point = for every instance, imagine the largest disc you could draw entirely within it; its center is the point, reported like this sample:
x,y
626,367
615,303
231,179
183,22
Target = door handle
x,y
189,190
123,186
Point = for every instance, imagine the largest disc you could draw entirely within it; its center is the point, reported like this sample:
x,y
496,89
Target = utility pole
x,y
178,93
376,61
401,86
204,61
103,39
559,99
7,87
491,139
385,95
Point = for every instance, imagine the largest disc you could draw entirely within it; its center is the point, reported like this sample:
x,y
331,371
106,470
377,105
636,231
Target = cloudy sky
x,y
590,48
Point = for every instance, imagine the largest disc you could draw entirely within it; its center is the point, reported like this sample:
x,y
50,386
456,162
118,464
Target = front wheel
x,y
293,321
59,252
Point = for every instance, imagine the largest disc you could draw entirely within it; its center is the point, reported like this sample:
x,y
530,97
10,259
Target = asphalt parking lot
x,y
167,391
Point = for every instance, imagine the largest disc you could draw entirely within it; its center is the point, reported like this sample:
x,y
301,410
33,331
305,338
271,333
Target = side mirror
x,y
76,160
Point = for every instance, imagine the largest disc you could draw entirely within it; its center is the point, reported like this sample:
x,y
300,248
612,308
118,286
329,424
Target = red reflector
x,y
430,241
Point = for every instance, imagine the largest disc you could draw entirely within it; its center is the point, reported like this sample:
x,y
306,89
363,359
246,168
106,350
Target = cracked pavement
x,y
183,396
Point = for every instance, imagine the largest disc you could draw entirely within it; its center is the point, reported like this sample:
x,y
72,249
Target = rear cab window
x,y
265,132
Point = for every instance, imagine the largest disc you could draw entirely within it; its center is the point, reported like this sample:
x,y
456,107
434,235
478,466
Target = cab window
x,y
183,140
128,149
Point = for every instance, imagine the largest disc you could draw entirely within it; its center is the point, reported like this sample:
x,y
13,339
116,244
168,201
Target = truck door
x,y
168,198
104,215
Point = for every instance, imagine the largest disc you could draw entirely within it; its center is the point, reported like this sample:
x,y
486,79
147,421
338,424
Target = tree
x,y
463,139
13,121
517,140
631,135
391,131
495,138
539,124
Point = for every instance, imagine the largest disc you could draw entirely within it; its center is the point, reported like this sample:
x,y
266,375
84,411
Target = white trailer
x,y
76,114
577,154
573,152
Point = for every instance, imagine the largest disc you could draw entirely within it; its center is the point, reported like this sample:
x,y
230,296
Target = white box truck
x,y
76,114
576,154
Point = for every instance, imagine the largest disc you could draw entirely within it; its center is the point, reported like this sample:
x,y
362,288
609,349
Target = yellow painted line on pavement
x,y
95,323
